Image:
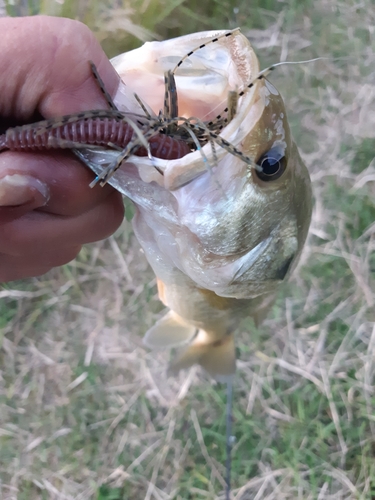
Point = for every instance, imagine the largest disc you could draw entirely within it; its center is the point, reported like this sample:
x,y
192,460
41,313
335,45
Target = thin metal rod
x,y
229,437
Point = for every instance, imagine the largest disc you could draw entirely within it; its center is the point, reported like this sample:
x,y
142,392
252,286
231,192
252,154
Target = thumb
x,y
46,68
20,194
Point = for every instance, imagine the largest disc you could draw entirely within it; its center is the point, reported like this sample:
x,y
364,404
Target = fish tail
x,y
217,358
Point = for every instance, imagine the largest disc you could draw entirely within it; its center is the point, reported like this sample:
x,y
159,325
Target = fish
x,y
223,226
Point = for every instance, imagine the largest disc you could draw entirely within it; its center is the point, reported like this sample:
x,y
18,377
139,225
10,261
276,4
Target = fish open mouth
x,y
205,83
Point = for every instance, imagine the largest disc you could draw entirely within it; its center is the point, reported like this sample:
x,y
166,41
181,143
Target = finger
x,y
66,178
17,267
37,231
56,80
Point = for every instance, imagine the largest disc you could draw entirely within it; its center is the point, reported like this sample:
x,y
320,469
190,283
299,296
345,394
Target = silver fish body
x,y
219,237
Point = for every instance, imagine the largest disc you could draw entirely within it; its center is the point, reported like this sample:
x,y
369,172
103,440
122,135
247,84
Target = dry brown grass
x,y
87,412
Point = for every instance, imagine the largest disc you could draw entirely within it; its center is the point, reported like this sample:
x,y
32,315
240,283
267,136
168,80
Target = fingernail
x,y
19,189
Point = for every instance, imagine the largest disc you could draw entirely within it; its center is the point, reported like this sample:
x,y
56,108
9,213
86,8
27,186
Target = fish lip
x,y
98,160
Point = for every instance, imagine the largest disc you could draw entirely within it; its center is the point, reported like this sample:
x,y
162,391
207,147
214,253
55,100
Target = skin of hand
x,y
47,209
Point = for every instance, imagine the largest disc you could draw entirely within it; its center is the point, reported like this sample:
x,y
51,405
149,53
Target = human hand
x,y
47,209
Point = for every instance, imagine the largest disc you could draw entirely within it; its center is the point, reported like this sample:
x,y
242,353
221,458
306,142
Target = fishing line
x,y
229,437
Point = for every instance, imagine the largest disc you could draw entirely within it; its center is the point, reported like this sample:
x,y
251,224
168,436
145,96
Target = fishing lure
x,y
109,129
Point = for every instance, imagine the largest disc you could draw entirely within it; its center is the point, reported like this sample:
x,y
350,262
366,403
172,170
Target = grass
x,y
87,413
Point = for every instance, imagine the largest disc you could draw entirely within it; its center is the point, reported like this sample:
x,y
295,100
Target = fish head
x,y
211,219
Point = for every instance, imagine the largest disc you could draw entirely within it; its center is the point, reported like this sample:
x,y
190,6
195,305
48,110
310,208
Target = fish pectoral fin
x,y
217,358
169,331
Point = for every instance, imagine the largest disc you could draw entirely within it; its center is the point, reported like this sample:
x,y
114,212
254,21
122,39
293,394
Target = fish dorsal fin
x,y
217,358
170,331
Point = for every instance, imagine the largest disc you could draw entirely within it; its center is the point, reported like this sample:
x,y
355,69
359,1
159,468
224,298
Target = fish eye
x,y
272,164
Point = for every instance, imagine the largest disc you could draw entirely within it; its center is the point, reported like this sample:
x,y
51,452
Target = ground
x,y
86,412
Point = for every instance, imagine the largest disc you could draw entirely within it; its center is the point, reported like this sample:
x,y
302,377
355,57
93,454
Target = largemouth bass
x,y
220,234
